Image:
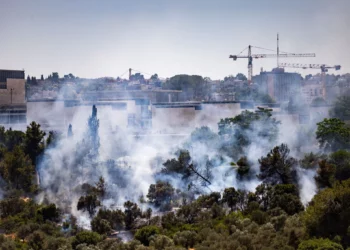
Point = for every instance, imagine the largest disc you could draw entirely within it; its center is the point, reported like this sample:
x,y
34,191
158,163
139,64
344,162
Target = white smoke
x,y
136,160
307,184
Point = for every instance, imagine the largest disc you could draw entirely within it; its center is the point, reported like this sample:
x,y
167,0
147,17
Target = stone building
x,y
280,85
12,97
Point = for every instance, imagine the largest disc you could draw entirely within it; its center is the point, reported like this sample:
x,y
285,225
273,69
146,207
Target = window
x,y
3,85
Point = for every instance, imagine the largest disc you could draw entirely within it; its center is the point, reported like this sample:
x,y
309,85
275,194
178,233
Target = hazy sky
x,y
95,38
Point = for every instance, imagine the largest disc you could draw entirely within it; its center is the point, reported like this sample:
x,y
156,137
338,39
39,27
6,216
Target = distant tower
x,y
130,74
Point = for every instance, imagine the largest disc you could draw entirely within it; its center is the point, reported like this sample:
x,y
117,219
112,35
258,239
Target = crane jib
x,y
257,56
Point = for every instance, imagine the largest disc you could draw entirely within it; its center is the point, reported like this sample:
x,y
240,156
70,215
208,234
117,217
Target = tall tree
x,y
161,194
230,197
179,166
278,167
88,203
70,131
333,134
101,187
247,127
132,211
93,125
244,170
34,141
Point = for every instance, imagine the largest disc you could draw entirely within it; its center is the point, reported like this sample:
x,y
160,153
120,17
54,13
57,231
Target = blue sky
x,y
104,38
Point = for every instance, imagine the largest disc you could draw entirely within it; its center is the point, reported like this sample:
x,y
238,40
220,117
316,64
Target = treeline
x,y
200,88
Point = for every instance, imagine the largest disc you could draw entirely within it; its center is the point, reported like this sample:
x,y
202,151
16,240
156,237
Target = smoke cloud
x,y
130,162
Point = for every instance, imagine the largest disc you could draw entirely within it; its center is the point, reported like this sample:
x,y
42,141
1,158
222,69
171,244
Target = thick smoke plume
x,y
96,145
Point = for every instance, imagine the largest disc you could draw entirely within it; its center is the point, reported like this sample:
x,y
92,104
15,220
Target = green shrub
x,y
145,233
319,244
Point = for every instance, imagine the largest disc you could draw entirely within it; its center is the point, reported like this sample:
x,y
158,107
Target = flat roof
x,y
18,70
133,91
11,74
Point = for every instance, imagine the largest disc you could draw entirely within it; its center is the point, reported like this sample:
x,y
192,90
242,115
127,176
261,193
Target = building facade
x,y
280,85
12,97
12,87
312,89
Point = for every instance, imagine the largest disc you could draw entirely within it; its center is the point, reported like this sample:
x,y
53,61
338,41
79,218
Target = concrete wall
x,y
56,116
212,113
173,120
186,119
50,115
179,119
18,92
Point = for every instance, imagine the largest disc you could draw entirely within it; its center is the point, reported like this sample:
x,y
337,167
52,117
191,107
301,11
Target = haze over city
x,y
174,125
104,38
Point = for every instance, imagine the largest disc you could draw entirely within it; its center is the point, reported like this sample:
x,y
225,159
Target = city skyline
x,y
94,39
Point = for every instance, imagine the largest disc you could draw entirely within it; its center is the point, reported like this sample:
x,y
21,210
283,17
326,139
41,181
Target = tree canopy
x,y
249,127
333,134
278,167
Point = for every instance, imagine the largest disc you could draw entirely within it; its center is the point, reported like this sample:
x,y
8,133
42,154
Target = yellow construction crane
x,y
323,67
250,57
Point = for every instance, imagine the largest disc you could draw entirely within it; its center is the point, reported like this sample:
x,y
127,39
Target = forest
x,y
240,187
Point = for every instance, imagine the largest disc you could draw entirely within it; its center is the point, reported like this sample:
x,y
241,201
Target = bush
x,y
319,244
36,240
186,238
90,238
160,242
100,226
49,212
144,234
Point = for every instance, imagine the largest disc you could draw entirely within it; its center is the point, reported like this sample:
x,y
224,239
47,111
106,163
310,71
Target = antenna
x,y
278,50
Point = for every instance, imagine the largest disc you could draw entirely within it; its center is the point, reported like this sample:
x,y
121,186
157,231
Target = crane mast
x,y
250,64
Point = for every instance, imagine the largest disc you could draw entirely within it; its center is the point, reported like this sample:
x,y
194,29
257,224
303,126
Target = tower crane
x,y
323,67
250,57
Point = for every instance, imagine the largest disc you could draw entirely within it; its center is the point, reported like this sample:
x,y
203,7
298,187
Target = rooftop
x,y
11,74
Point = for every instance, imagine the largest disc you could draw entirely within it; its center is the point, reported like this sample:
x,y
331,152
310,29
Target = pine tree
x,y
93,125
70,131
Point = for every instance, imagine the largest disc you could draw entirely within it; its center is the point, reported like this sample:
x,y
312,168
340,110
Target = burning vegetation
x,y
242,186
